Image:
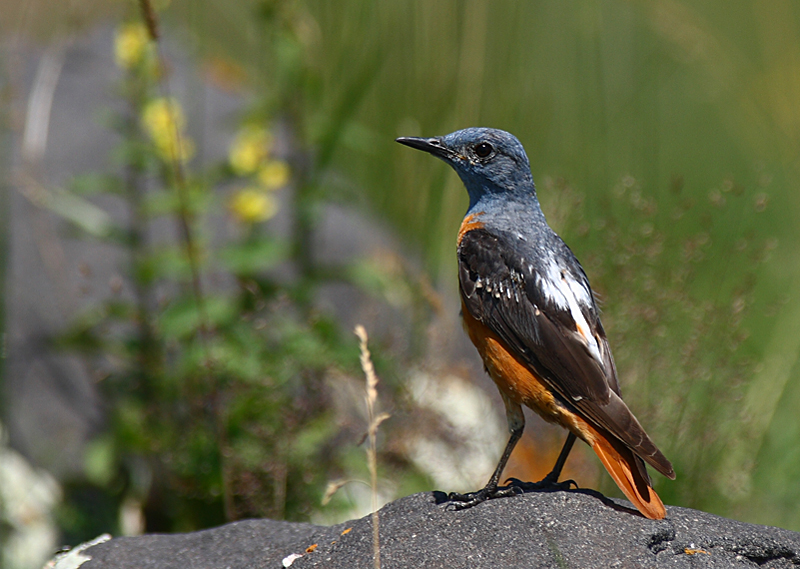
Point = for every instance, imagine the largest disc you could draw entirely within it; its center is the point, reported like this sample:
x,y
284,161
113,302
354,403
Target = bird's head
x,y
490,162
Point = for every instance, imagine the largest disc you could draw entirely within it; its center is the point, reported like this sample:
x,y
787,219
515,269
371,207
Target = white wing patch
x,y
569,294
552,286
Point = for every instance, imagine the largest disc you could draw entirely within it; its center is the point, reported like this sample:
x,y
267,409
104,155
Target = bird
x,y
527,306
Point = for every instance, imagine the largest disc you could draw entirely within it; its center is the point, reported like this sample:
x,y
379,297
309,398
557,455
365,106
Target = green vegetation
x,y
663,136
221,397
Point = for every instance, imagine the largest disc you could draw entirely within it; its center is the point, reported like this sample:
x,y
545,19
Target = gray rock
x,y
580,529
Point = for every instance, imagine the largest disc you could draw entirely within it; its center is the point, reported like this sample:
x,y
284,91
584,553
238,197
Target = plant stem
x,y
185,218
372,431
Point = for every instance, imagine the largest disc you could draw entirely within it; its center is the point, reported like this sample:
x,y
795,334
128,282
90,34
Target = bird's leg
x,y
551,480
562,458
516,425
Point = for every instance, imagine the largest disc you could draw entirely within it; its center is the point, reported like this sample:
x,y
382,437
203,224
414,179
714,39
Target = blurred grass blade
x,y
346,108
82,213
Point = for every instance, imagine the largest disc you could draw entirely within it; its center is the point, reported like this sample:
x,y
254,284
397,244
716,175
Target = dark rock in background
x,y
580,529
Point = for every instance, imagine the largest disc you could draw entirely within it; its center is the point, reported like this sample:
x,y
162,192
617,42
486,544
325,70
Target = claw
x,y
547,483
513,485
488,493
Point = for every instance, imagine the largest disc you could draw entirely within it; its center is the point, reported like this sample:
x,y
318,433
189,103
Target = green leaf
x,y
184,317
168,263
99,460
255,255
310,439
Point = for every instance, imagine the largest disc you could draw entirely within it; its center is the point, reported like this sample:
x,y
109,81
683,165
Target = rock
x,y
579,528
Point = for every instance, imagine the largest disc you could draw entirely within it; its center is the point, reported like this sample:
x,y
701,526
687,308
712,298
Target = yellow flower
x,y
251,205
249,149
275,174
161,116
176,147
163,121
131,45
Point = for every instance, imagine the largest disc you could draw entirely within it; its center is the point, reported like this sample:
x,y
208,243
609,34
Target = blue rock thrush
x,y
528,308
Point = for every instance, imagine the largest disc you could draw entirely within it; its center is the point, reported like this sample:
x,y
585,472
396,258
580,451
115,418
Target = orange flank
x,y
520,384
470,222
517,381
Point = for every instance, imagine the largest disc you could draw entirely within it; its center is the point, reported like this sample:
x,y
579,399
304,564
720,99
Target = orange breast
x,y
517,381
469,223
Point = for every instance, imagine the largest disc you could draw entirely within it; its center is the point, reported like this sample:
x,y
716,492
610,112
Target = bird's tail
x,y
630,474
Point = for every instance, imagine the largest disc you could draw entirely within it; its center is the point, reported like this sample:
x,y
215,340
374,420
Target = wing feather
x,y
518,297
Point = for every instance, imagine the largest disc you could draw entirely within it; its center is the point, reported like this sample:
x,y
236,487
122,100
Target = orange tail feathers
x,y
630,474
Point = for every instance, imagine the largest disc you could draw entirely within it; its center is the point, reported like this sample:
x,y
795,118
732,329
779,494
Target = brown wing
x,y
506,287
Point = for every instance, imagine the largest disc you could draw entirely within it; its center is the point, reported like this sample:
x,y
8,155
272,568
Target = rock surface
x,y
580,529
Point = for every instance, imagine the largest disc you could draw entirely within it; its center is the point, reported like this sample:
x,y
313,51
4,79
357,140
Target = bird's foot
x,y
548,483
464,501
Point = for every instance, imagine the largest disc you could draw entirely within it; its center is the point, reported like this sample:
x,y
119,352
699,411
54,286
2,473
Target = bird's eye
x,y
483,149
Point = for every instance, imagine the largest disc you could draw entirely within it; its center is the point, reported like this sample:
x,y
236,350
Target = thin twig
x,y
150,19
175,163
372,453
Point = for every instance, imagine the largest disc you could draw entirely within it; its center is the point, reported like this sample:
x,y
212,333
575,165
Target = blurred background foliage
x,y
664,137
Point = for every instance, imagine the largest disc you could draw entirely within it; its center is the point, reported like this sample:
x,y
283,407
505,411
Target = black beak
x,y
431,145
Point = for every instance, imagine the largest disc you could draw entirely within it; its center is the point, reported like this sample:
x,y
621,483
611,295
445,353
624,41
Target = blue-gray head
x,y
491,163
